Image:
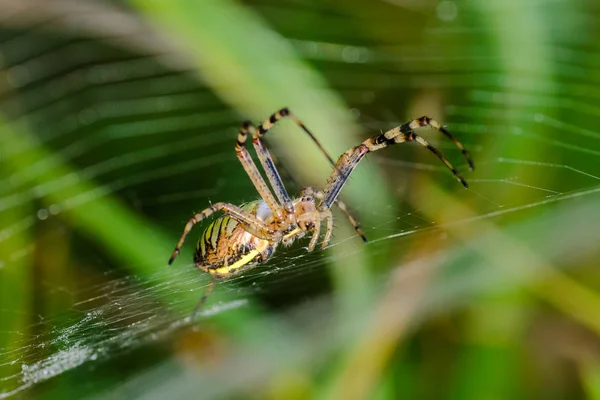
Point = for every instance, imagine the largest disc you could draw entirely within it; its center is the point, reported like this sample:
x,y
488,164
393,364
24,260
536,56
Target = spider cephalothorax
x,y
248,235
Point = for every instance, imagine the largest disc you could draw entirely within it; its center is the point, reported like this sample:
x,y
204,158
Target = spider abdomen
x,y
226,249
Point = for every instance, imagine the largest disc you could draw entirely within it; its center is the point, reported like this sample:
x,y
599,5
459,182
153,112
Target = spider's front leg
x,y
426,121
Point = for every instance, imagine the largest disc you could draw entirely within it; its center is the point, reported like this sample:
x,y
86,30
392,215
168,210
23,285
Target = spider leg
x,y
285,112
202,300
267,161
252,171
413,136
400,134
424,121
355,224
249,222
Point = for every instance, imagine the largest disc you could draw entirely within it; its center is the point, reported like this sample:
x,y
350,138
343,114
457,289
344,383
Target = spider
x,y
248,235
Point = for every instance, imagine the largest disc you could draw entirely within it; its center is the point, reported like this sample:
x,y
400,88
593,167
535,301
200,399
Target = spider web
x,y
146,131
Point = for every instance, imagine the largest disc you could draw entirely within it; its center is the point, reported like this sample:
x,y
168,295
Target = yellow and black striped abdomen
x,y
225,248
215,231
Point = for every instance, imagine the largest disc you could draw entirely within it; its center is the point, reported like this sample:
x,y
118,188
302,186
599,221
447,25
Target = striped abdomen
x,y
225,248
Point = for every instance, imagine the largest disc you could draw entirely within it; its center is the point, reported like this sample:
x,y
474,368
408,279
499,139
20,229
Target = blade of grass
x,y
590,375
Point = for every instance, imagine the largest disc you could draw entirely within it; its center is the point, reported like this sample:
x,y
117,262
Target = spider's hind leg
x,y
202,300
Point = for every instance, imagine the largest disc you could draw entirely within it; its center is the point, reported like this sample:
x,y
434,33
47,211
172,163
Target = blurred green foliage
x,y
118,121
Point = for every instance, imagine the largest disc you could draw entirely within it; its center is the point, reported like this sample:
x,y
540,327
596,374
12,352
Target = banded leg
x,y
413,136
249,222
252,171
267,161
424,121
405,133
202,300
350,159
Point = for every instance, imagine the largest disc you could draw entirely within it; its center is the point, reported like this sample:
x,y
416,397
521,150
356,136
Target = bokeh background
x,y
118,120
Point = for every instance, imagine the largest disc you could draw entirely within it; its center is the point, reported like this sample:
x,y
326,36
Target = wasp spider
x,y
248,235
